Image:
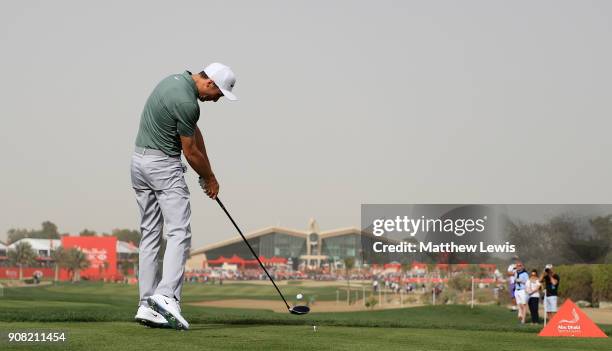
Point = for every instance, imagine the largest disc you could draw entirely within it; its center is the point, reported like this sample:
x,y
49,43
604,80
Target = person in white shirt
x,y
520,295
532,288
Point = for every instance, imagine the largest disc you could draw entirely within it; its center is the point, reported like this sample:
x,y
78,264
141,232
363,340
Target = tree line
x,y
564,239
49,230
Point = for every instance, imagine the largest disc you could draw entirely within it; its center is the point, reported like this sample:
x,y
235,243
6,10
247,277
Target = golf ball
x,y
299,296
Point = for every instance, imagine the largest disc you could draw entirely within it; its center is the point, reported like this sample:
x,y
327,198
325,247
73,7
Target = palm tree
x,y
22,255
76,261
349,263
60,258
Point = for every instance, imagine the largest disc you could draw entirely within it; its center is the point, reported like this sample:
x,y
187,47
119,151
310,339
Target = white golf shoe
x,y
170,309
147,316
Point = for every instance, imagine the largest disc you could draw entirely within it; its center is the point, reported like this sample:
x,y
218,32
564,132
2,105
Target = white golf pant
x,y
163,200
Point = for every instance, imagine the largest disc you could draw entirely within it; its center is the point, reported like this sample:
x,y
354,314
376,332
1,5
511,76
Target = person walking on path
x,y
168,126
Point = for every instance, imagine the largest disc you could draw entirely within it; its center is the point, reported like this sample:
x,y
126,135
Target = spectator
x,y
511,273
520,295
551,285
36,277
532,288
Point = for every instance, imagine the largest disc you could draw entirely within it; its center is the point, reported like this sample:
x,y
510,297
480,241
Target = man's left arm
x,y
199,140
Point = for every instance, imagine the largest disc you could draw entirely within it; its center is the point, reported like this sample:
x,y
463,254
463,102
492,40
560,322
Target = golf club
x,y
294,309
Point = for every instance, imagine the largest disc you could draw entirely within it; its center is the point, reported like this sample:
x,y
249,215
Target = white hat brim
x,y
228,94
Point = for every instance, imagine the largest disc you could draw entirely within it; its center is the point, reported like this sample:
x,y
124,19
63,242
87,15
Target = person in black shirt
x,y
551,281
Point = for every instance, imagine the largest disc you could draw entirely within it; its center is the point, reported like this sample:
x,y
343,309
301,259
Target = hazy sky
x,y
342,103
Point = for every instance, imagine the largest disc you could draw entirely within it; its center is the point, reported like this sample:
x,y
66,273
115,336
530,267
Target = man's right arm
x,y
198,160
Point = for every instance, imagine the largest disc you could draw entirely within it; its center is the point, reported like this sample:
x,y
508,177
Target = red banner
x,y
100,251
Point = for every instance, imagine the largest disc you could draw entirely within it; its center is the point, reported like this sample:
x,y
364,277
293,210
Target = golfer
x,y
167,127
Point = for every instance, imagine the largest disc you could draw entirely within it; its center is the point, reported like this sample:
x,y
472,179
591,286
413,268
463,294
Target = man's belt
x,y
145,151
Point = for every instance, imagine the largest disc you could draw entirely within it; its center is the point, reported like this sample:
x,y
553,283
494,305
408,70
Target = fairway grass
x,y
131,336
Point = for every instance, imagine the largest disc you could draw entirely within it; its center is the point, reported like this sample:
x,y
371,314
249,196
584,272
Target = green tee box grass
x,y
131,336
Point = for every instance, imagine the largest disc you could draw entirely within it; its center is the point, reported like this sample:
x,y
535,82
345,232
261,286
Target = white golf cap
x,y
223,77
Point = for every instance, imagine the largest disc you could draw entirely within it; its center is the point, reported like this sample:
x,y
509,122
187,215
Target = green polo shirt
x,y
171,111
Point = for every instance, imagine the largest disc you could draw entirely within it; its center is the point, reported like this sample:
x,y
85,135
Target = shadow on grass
x,y
221,326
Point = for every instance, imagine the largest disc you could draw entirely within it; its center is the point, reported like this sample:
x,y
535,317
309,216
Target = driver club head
x,y
299,310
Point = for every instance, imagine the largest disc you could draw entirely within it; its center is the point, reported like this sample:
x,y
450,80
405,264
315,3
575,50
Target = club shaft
x,y
253,252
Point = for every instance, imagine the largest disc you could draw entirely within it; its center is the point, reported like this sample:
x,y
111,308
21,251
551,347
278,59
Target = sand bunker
x,y
279,306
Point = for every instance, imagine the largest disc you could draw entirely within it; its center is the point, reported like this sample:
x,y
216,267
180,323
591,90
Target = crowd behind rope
x,y
393,281
527,289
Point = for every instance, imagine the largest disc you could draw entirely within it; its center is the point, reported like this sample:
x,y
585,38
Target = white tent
x,y
43,247
126,248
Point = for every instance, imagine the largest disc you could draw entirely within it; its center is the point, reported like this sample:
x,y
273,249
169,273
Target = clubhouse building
x,y
303,249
